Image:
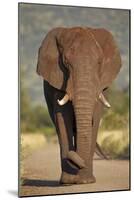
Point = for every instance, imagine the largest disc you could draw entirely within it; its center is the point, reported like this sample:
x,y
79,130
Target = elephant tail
x,y
100,153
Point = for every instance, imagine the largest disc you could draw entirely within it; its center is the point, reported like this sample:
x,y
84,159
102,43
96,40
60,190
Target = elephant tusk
x,y
64,100
103,100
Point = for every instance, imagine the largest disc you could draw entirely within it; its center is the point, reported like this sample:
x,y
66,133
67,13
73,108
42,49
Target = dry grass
x,y
115,143
29,142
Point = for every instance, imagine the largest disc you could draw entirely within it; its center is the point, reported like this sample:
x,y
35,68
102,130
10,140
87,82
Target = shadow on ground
x,y
41,183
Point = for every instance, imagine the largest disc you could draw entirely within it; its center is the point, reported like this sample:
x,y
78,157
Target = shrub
x,y
115,143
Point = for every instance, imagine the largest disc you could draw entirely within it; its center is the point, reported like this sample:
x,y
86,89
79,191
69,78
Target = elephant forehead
x,y
78,43
69,35
82,48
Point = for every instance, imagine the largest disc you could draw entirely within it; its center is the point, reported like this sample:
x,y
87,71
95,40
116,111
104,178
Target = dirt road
x,y
42,173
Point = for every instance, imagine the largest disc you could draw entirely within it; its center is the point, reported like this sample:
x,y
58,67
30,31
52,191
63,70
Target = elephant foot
x,y
83,180
68,179
76,159
86,176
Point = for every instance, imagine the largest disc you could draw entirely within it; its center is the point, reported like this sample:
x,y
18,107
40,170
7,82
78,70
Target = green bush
x,y
117,117
36,118
114,120
115,143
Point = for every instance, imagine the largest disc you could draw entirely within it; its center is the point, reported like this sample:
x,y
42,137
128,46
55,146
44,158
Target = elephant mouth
x,y
101,98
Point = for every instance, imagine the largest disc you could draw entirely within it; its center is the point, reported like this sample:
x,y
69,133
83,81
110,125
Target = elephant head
x,y
82,62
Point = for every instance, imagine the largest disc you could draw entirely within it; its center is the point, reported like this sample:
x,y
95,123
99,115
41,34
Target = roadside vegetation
x,y
114,130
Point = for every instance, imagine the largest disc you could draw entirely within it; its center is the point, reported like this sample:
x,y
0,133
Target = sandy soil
x,y
42,174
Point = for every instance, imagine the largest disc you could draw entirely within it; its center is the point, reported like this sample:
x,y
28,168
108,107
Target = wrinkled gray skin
x,y
93,61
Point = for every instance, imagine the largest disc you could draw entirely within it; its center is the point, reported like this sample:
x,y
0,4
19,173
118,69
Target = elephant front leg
x,y
69,170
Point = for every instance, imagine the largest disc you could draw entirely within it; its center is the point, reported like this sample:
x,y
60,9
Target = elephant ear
x,y
111,62
48,60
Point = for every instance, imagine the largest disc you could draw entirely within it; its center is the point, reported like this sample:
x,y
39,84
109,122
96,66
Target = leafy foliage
x,y
114,131
114,135
115,143
34,118
118,116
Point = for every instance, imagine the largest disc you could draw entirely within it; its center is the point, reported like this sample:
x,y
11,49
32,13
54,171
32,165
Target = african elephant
x,y
78,65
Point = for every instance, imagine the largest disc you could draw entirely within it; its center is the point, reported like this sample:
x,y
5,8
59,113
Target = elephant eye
x,y
99,62
105,88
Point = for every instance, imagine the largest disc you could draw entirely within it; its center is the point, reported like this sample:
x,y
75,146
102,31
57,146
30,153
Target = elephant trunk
x,y
84,102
